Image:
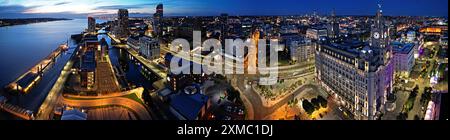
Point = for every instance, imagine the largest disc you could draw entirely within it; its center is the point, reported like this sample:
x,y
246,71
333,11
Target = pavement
x,y
259,110
52,98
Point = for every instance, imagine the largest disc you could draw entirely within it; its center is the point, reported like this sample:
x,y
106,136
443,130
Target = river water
x,y
23,46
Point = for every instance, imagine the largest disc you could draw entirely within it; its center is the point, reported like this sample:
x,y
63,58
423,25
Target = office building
x,y
224,26
122,31
333,27
403,58
411,36
91,25
316,33
359,74
87,69
301,49
149,48
179,79
158,20
88,61
133,42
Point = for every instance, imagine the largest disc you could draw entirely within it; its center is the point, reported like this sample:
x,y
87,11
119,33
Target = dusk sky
x,y
83,8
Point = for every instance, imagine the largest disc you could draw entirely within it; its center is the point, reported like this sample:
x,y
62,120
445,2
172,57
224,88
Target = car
x,y
241,112
227,118
235,109
228,108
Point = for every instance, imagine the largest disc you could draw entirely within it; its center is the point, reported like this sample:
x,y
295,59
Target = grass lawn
x,y
135,98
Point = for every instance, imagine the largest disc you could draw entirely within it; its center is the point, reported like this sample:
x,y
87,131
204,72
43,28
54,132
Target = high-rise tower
x,y
122,24
333,27
91,25
157,20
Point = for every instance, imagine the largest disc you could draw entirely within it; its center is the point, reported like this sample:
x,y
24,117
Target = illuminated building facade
x,y
122,24
251,60
431,30
333,27
149,48
301,49
177,81
403,58
157,20
316,33
359,75
88,61
411,36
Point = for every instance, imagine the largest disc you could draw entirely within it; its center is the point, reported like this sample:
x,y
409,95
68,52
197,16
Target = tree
x,y
323,102
426,96
232,94
416,117
416,89
414,92
316,104
402,116
308,107
296,117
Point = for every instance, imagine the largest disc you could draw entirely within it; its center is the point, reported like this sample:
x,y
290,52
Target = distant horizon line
x,y
246,15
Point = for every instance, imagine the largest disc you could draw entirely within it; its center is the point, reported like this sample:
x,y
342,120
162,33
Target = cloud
x,y
4,2
13,8
18,11
135,6
43,15
61,3
115,7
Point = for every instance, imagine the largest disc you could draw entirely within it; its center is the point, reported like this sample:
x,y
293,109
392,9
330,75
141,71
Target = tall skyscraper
x,y
91,25
157,20
224,26
122,24
333,27
359,74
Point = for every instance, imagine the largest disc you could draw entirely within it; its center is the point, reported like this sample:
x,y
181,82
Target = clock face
x,y
376,35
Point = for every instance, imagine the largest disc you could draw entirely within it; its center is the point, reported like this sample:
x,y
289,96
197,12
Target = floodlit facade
x,y
403,58
149,48
359,74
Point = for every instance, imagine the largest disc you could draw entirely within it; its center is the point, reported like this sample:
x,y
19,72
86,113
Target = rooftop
x,y
73,115
189,105
27,79
349,48
88,62
399,47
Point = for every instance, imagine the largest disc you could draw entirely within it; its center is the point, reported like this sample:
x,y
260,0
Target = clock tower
x,y
379,39
382,60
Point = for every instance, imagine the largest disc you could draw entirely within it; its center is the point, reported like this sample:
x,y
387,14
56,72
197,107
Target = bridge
x,y
26,81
